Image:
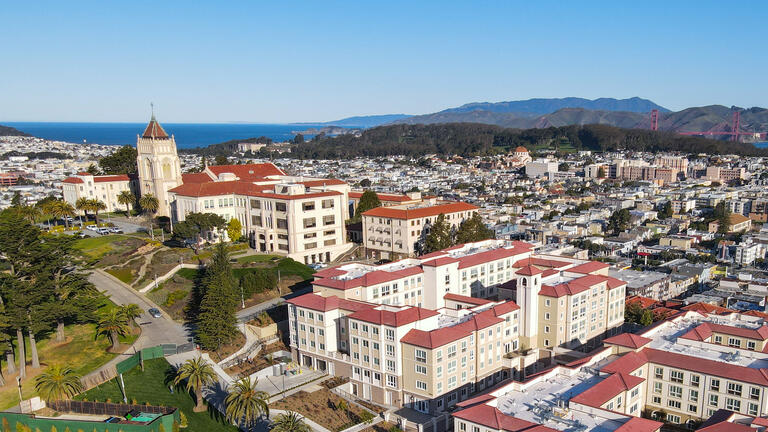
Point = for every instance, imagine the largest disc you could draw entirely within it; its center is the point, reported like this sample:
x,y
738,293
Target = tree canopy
x,y
369,200
439,236
123,161
473,230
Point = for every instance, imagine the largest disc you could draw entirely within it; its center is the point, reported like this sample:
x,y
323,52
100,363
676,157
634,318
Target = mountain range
x,y
631,113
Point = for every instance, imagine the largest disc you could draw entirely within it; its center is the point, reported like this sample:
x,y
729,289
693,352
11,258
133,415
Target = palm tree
x,y
30,212
61,209
289,422
96,206
245,403
149,204
58,383
84,205
112,324
130,312
198,373
126,198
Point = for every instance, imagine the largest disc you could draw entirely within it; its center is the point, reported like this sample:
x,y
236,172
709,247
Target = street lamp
x,y
242,299
21,399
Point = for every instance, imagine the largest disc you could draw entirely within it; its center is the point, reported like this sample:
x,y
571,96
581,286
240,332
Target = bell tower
x,y
528,287
158,164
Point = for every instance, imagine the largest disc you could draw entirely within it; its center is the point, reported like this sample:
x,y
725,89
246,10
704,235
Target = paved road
x,y
154,330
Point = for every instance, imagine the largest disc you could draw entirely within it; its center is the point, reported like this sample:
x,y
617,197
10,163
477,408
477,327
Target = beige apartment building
x,y
414,333
104,188
395,232
299,218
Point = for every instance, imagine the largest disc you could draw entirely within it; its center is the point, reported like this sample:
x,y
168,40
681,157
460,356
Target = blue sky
x,y
324,60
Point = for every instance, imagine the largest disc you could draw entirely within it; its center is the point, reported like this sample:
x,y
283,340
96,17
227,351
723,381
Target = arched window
x,y
525,282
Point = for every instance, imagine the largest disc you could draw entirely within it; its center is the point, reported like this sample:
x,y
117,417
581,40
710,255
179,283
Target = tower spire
x,y
152,107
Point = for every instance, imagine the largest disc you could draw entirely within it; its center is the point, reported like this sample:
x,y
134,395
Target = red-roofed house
x,y
105,188
394,232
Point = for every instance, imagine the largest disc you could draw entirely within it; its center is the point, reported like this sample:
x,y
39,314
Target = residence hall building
x,y
415,332
296,217
693,369
388,199
396,232
104,188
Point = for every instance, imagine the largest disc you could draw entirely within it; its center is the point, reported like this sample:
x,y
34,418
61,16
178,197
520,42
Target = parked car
x,y
103,231
155,312
82,234
115,230
318,266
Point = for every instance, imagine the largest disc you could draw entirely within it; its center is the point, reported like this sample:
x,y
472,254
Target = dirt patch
x,y
173,296
228,349
334,382
257,363
122,251
322,407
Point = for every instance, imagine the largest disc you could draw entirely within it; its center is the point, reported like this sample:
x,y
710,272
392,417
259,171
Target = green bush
x,y
173,297
258,281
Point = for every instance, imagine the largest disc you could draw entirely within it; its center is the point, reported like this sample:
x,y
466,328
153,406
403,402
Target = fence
x,y
165,277
106,408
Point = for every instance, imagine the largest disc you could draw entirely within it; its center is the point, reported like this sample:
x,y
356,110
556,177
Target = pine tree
x,y
216,320
439,236
473,230
369,200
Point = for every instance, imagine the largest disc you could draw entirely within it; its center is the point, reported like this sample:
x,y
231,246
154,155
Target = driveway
x,y
155,331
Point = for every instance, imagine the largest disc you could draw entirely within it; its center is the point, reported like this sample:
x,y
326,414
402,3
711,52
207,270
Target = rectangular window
x,y
421,385
694,380
754,393
280,206
734,389
714,385
658,372
676,376
421,369
421,355
675,391
713,400
732,404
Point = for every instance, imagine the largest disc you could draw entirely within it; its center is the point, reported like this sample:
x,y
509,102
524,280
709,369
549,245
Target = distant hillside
x,y
696,119
546,106
470,139
367,121
9,131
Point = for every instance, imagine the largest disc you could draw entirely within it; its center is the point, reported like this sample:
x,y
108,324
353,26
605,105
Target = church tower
x,y
158,164
528,287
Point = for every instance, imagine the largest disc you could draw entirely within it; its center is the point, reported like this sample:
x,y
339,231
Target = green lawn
x,y
96,247
149,386
81,352
258,258
124,274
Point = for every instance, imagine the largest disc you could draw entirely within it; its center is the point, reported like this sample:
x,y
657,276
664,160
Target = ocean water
x,y
187,134
761,144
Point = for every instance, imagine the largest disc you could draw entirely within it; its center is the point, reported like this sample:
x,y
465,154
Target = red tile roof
x,y
464,299
371,278
240,188
154,130
633,360
705,330
528,271
639,424
73,180
200,177
248,172
402,317
579,285
708,309
445,335
437,262
628,340
421,212
607,389
588,267
111,178
540,262
644,302
324,304
491,417
491,255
